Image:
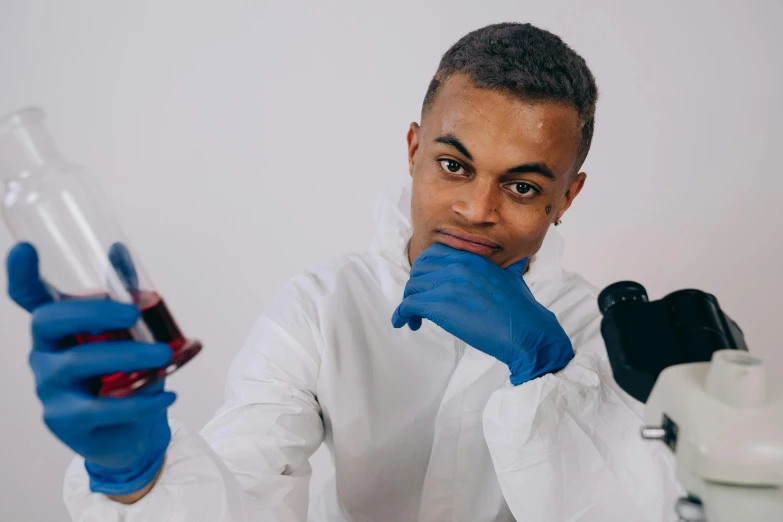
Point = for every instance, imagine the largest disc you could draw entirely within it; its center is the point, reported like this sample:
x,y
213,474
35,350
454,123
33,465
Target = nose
x,y
478,203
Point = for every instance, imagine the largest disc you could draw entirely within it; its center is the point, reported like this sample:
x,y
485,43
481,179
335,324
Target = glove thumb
x,y
121,260
25,286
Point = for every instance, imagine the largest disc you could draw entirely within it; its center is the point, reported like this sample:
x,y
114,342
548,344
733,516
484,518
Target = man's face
x,y
490,172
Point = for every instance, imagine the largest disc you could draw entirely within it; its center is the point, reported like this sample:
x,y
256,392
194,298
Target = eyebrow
x,y
452,141
526,168
535,168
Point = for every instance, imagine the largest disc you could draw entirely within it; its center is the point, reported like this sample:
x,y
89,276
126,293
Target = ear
x,y
573,190
413,145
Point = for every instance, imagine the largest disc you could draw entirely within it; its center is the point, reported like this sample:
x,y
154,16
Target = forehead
x,y
493,123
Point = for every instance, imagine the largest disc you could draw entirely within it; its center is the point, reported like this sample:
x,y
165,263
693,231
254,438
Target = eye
x,y
523,189
450,166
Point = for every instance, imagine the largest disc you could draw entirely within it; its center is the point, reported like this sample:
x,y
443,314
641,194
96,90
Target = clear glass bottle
x,y
83,253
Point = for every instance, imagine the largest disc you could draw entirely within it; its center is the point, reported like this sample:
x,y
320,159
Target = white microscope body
x,y
724,423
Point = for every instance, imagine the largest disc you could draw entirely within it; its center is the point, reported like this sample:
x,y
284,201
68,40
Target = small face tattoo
x,y
548,209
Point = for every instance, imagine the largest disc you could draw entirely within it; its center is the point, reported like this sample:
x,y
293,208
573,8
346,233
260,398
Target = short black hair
x,y
524,61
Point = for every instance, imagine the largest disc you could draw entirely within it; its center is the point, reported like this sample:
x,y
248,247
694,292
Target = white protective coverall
x,y
418,425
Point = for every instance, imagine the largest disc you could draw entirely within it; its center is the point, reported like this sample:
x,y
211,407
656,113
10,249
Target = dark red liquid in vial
x,y
156,316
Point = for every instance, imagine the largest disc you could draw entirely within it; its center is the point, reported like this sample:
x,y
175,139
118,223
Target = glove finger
x,y
434,259
423,305
518,268
435,256
424,282
55,321
103,358
408,308
121,260
397,320
129,409
25,286
414,323
437,251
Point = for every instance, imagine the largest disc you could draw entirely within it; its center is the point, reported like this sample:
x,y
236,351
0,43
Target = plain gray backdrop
x,y
240,142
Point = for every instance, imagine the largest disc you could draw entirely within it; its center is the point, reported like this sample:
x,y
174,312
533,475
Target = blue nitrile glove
x,y
123,440
488,307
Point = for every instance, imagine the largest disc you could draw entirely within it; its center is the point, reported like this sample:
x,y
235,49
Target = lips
x,y
468,242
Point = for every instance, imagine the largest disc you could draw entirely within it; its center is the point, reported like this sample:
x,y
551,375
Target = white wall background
x,y
241,141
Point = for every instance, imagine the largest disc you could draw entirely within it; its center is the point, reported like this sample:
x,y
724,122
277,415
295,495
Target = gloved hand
x,y
488,307
123,441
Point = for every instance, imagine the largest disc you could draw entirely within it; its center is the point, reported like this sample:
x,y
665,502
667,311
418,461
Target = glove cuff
x,y
546,359
124,482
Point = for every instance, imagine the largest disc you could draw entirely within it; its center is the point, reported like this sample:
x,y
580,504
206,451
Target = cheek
x,y
526,235
415,206
428,199
526,221
421,204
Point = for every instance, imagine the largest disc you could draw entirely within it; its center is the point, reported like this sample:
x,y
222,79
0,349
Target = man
x,y
449,378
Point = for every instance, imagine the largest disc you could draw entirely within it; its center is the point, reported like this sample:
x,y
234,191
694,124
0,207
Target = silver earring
x,y
557,223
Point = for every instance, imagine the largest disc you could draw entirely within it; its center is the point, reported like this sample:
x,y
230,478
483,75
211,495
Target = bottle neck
x,y
25,145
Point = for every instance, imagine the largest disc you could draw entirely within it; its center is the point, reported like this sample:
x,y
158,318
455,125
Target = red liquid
x,y
160,323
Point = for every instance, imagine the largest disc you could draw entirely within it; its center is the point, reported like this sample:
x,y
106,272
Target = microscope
x,y
706,397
